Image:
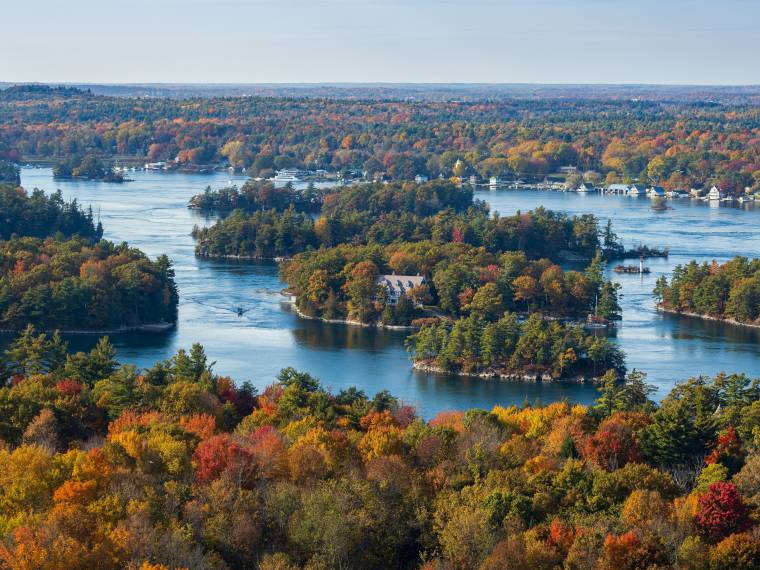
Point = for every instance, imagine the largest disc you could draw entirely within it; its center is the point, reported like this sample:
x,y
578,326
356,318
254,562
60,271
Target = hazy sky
x,y
493,41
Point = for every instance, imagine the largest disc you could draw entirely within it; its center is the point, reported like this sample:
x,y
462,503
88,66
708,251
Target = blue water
x,y
150,213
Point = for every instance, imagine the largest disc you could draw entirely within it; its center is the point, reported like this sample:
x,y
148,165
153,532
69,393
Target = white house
x,y
715,194
656,192
397,285
586,187
637,190
420,178
618,188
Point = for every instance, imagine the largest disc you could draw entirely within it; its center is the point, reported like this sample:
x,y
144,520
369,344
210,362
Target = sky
x,y
417,41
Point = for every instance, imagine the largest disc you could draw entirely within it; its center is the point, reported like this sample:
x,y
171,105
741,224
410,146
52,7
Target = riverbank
x,y
734,322
148,327
491,374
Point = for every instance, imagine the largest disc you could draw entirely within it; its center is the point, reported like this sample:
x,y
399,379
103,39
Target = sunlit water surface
x,y
151,213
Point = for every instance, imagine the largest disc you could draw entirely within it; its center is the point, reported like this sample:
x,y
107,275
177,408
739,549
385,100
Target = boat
x,y
594,322
631,269
289,175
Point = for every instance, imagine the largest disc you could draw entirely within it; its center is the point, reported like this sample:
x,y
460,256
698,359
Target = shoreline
x,y
148,327
733,322
352,323
423,366
243,258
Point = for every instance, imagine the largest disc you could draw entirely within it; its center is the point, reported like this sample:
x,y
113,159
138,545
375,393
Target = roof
x,y
638,186
398,284
618,186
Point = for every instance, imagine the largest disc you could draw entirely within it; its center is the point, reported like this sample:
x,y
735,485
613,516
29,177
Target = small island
x,y
88,167
728,292
534,349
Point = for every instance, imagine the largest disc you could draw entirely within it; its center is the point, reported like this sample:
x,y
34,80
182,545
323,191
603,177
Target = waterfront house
x,y
675,194
494,182
637,190
656,192
617,188
715,194
696,193
420,178
586,187
397,285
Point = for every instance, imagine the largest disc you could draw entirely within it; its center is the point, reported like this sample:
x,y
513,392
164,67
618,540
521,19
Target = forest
x,y
504,346
341,282
257,195
56,271
41,215
728,291
78,285
404,212
106,466
676,143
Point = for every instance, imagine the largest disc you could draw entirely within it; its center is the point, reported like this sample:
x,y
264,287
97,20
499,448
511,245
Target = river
x,y
150,213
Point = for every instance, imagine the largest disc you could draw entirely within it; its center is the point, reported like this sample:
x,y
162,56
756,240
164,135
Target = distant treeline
x,y
677,144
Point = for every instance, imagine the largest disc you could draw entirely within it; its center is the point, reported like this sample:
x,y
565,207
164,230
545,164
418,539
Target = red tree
x,y
612,446
728,450
721,512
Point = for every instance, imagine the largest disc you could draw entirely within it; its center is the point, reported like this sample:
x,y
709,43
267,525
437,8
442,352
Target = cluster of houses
x,y
715,194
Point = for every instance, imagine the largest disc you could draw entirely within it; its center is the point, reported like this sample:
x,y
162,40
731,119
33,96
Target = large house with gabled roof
x,y
398,285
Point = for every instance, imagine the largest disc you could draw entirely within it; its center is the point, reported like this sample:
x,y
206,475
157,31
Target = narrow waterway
x,y
151,213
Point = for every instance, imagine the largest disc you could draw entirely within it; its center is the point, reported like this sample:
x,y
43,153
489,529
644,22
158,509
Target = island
x,y
57,273
88,167
728,292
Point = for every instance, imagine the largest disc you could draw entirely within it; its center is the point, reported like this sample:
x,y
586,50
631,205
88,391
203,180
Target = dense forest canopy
x,y
77,285
106,466
56,271
675,143
397,212
41,215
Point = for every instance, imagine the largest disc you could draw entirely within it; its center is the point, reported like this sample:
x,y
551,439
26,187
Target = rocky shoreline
x,y
352,323
423,366
148,327
662,309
